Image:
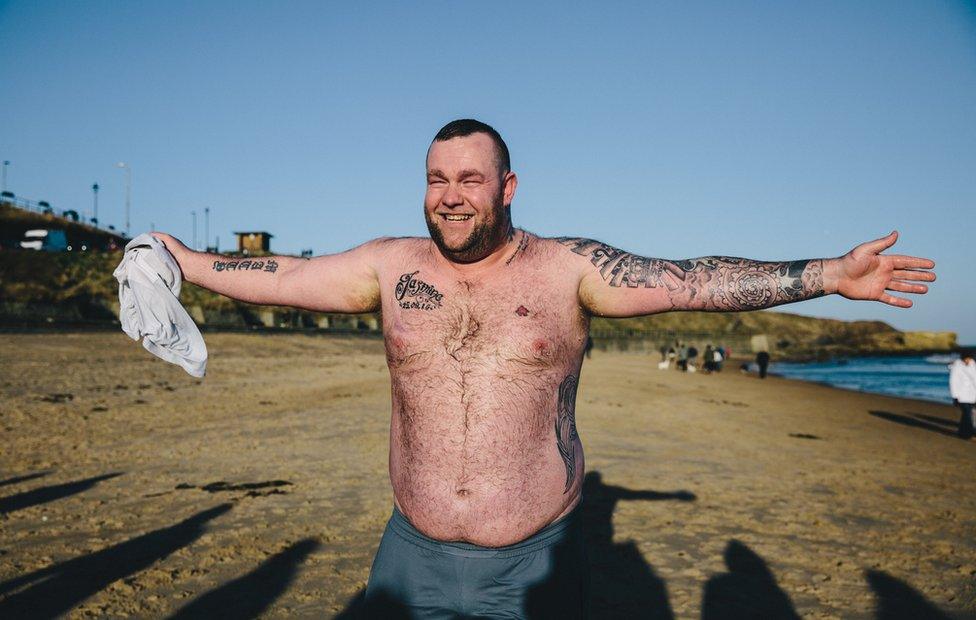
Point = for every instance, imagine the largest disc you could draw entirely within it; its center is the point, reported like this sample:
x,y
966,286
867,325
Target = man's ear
x,y
509,183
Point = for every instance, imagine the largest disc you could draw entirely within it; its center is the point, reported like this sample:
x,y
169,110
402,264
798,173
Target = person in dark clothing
x,y
589,347
762,360
708,363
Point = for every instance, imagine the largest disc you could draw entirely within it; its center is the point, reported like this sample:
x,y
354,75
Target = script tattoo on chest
x,y
413,293
566,435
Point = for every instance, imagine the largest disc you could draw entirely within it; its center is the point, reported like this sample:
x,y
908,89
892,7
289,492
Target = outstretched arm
x,y
620,284
344,282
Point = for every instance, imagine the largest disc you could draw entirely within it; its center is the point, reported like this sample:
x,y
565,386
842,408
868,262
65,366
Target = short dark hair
x,y
467,126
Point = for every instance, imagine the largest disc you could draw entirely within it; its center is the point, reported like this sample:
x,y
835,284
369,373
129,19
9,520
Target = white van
x,y
43,239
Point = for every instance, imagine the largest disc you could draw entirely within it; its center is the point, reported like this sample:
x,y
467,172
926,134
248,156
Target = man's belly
x,y
484,470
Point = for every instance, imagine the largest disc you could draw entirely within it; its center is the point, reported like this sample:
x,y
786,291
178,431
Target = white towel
x,y
149,298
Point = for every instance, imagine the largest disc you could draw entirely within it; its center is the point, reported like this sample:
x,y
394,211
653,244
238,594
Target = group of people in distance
x,y
684,357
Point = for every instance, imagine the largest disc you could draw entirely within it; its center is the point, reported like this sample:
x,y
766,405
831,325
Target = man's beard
x,y
482,240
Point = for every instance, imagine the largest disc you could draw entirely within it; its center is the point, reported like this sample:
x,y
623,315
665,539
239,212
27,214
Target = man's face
x,y
468,196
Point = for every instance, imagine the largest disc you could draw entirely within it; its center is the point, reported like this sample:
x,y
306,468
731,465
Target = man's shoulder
x,y
397,244
386,250
560,249
563,244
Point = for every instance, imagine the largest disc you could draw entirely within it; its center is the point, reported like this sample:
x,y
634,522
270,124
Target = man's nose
x,y
452,197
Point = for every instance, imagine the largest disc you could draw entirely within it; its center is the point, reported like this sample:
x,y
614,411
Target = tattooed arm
x,y
344,282
618,283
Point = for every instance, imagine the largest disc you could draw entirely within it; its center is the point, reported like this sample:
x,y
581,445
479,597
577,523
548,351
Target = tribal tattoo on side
x,y
415,294
707,283
566,435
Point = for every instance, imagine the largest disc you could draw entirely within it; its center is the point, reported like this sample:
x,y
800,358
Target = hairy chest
x,y
507,322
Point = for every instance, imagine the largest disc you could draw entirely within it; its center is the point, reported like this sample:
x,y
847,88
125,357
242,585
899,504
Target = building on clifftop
x,y
252,243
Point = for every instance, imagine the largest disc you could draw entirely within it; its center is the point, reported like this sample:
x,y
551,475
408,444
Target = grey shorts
x,y
544,576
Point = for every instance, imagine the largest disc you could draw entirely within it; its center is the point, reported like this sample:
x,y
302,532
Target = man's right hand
x,y
176,247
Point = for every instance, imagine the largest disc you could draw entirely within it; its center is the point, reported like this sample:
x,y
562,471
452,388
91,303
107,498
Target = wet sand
x,y
128,488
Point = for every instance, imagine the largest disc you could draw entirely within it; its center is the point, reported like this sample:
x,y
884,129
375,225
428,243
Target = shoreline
x,y
908,399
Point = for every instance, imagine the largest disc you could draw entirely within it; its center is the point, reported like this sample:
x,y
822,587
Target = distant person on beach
x,y
708,359
762,360
589,346
962,387
485,328
682,364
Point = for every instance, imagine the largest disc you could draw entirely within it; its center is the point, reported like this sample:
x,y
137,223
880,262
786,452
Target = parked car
x,y
43,239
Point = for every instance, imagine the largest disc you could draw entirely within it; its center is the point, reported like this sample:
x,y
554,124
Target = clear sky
x,y
772,130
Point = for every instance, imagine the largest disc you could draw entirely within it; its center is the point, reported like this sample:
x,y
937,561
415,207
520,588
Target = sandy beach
x,y
128,488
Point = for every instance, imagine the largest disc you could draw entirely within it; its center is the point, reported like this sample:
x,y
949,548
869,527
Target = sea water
x,y
922,377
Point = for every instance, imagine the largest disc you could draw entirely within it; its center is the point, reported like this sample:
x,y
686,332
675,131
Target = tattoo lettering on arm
x,y
566,435
415,294
269,266
707,283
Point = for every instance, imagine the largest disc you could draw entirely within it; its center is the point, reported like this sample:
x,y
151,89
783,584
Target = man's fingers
x,y
906,287
898,302
908,274
879,245
911,262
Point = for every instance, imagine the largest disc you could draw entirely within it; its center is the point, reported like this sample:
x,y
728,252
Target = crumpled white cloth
x,y
149,299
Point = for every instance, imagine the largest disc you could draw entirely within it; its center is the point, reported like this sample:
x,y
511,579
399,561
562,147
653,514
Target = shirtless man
x,y
485,327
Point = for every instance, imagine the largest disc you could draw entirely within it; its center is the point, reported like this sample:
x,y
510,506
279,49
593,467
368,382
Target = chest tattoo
x,y
413,293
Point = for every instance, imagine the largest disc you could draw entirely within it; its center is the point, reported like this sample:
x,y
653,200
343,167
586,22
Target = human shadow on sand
x,y
53,591
24,478
953,424
747,590
622,583
896,600
250,595
49,493
912,421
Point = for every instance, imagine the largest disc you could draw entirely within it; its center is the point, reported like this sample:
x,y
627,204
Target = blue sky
x,y
772,130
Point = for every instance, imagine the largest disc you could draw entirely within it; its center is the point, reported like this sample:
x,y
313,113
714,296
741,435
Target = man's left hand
x,y
865,273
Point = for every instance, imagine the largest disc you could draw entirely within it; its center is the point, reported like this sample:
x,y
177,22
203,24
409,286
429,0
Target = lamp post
x,y
3,184
206,228
194,214
94,217
128,192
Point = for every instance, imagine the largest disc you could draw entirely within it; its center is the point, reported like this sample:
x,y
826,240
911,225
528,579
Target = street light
x,y
128,192
3,184
194,214
94,218
206,228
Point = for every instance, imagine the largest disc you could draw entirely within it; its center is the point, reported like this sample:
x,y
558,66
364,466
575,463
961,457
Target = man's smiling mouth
x,y
451,217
